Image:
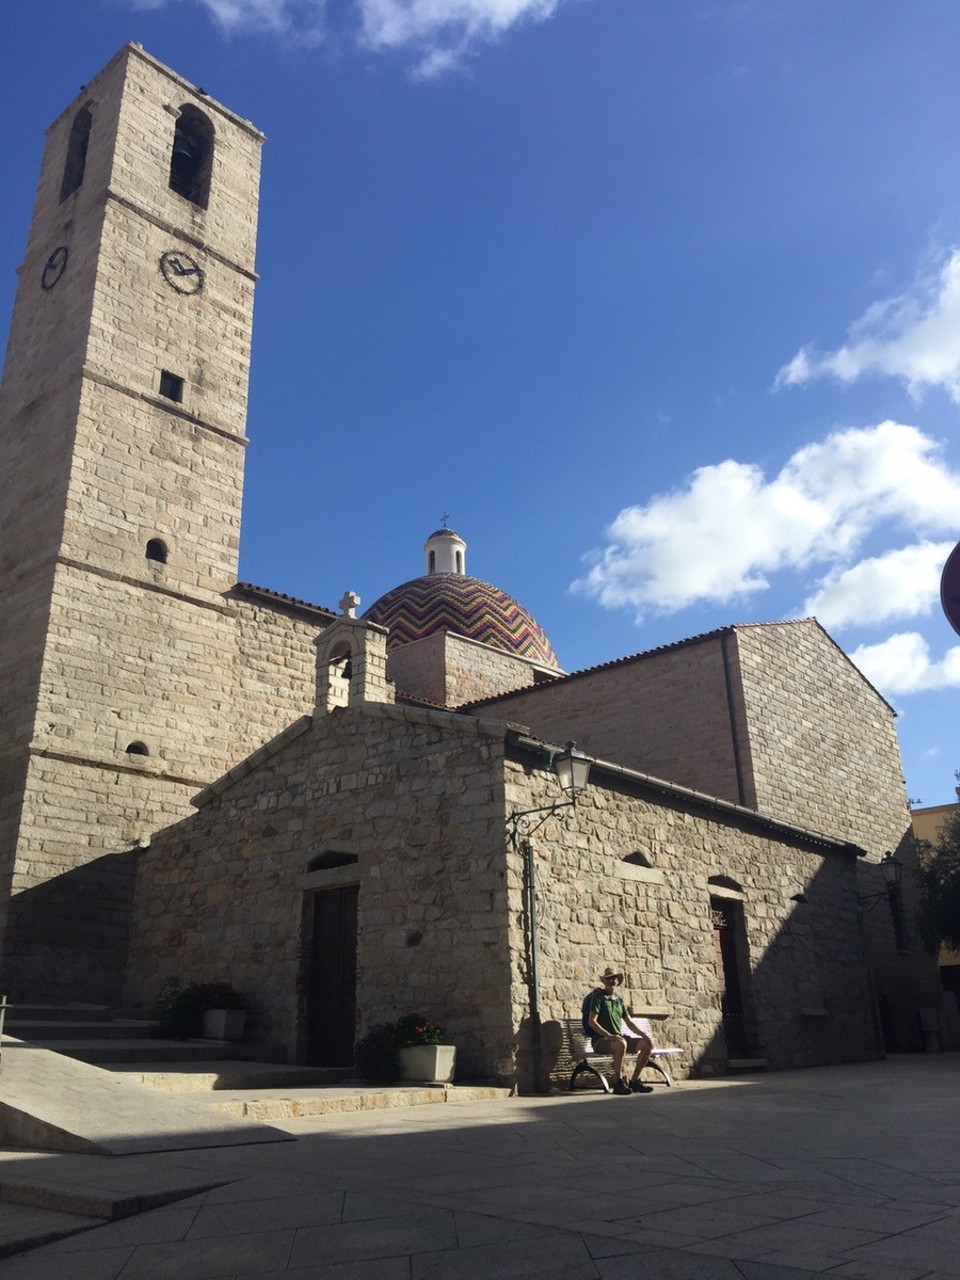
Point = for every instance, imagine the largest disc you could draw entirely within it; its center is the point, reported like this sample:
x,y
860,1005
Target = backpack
x,y
585,1011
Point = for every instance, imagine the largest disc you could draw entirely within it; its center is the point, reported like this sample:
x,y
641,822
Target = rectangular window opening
x,y
171,387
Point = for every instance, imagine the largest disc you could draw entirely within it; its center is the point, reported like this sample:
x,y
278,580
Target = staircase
x,y
243,1081
121,1040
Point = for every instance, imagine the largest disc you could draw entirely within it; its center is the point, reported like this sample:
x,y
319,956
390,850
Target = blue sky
x,y
659,301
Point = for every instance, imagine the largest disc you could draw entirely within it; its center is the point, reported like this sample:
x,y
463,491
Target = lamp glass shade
x,y
572,769
891,869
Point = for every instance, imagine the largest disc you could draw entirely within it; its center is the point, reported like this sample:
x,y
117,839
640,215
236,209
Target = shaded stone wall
x,y
824,753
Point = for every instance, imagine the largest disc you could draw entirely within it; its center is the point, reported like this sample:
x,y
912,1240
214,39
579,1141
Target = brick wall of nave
x,y
823,744
666,714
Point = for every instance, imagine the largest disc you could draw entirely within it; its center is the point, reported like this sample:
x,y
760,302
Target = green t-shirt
x,y
610,1012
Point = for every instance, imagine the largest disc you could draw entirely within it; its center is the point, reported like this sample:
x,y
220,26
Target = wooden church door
x,y
332,992
727,926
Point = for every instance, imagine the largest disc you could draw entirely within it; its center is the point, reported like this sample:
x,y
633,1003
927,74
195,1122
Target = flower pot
x,y
432,1063
223,1024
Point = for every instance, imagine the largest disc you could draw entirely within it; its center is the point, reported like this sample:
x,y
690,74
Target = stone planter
x,y
224,1024
432,1063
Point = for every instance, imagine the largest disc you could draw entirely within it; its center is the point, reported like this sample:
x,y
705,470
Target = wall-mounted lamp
x,y
572,768
891,869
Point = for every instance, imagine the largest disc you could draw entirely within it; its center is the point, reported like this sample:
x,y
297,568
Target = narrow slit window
x,y
76,161
329,859
192,156
638,859
171,386
157,550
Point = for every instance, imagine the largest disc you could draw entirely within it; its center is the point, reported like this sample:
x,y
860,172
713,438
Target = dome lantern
x,y
445,552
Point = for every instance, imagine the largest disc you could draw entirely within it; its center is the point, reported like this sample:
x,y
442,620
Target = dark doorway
x,y
730,945
332,985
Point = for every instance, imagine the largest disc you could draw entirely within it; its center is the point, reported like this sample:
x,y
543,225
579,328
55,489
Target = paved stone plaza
x,y
850,1171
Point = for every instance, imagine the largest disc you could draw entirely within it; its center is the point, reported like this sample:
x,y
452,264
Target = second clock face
x,y
181,272
54,267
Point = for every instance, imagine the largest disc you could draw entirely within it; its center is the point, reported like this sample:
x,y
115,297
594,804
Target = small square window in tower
x,y
171,387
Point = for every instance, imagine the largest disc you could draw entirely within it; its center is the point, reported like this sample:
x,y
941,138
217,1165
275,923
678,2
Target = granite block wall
x,y
625,880
418,803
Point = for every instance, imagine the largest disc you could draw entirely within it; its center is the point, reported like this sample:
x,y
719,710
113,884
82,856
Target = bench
x,y
578,1055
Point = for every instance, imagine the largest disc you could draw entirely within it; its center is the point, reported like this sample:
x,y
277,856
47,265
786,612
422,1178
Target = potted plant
x,y
208,1010
376,1056
422,1056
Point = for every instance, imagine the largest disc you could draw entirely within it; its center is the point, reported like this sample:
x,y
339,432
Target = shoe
x,y
621,1087
637,1087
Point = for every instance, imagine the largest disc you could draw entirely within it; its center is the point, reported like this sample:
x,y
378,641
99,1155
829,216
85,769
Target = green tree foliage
x,y
939,881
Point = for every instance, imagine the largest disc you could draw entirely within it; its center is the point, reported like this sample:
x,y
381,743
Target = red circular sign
x,y
950,588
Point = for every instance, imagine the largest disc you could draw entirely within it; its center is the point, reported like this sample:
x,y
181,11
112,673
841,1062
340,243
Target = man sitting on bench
x,y
607,1018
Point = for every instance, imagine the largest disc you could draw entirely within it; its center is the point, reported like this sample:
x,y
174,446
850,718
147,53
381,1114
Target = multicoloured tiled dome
x,y
465,606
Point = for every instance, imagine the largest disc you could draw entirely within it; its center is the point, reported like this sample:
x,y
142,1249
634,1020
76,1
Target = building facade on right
x,y
927,825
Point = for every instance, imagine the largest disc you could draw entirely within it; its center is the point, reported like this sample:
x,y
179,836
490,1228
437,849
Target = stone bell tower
x,y
122,420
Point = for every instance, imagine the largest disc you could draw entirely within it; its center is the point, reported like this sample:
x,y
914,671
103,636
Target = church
x,y
353,814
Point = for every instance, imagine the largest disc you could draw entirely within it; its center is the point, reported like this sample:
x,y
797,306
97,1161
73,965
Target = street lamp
x,y
572,768
891,869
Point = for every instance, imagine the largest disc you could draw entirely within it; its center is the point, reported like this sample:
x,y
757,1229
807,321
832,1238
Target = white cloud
x,y
914,336
439,33
903,583
300,18
902,664
722,535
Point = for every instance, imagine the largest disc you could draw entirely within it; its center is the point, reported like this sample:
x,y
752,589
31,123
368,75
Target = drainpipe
x,y
533,976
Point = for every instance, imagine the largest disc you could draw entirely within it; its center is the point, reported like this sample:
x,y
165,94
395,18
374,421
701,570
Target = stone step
x,y
273,1105
121,1194
219,1075
26,1227
60,1013
104,1052
34,1029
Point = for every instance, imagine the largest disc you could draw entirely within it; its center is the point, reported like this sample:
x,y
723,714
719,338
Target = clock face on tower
x,y
54,267
181,272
